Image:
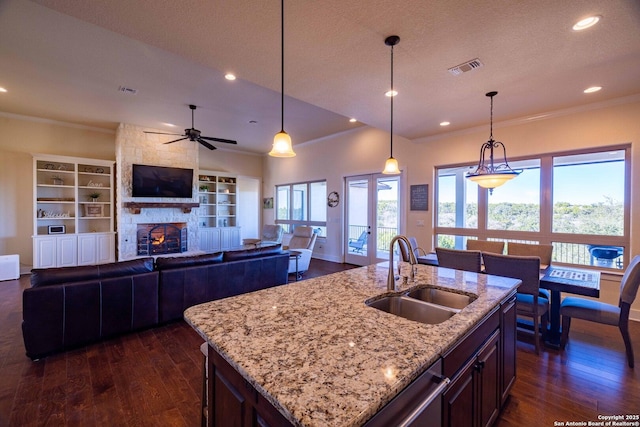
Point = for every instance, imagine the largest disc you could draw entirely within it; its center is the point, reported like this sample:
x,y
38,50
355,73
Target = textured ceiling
x,y
64,60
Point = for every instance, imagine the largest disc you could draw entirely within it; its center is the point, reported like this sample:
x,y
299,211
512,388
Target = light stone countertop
x,y
320,355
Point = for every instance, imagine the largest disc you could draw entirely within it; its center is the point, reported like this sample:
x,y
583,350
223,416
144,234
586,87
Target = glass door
x,y
373,217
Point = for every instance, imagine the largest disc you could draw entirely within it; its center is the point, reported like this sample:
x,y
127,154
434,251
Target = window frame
x,y
546,234
290,224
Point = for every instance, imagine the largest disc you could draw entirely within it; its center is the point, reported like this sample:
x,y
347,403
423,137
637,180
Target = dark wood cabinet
x,y
233,401
473,399
482,370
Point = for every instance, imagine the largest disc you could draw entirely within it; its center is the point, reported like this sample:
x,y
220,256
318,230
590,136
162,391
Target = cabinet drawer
x,y
457,356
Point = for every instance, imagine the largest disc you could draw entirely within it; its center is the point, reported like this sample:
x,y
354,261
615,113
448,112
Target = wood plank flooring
x,y
153,377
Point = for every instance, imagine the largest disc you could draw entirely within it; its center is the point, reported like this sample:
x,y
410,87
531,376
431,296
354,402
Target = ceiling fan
x,y
193,134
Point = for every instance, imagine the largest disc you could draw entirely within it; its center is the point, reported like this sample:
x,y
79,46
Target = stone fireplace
x,y
161,239
133,146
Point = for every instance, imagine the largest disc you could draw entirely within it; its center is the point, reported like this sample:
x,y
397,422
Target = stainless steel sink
x,y
442,297
413,309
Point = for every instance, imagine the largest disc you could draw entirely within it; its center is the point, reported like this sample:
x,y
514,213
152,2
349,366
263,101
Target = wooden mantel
x,y
136,207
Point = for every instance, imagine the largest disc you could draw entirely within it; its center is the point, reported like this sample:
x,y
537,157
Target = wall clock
x,y
333,199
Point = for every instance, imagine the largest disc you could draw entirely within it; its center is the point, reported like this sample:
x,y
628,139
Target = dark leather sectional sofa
x,y
72,306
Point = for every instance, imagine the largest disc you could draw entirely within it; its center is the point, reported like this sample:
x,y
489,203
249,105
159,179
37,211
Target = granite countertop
x,y
320,355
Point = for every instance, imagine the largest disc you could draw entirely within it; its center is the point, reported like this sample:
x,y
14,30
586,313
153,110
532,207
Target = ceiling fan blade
x,y
228,141
175,140
163,133
206,144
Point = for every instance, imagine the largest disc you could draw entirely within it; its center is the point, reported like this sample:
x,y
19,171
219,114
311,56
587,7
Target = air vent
x,y
465,67
128,90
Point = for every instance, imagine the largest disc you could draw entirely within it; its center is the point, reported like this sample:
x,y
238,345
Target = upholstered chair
x,y
544,252
608,314
459,259
528,301
271,234
303,241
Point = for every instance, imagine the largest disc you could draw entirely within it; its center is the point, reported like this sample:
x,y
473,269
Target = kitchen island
x,y
313,353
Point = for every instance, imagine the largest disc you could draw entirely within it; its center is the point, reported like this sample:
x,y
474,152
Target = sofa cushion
x,y
252,253
56,276
188,261
126,268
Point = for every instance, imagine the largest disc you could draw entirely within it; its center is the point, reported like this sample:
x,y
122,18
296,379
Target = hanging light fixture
x,y
282,141
488,175
391,165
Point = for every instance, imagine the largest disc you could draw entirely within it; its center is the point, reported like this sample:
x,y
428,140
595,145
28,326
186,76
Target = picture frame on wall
x,y
267,203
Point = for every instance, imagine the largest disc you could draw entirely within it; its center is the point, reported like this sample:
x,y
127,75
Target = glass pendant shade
x,y
493,180
391,167
282,145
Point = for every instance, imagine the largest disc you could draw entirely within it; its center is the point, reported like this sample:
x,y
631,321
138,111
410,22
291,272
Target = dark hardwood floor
x,y
153,377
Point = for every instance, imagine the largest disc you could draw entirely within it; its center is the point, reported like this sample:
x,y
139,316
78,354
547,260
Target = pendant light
x,y
391,165
282,141
488,175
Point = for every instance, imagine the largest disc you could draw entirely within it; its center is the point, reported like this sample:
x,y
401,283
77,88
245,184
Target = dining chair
x,y
544,252
459,259
528,301
495,247
417,250
608,314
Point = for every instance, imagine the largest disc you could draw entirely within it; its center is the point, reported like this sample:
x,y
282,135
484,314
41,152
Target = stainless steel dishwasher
x,y
419,404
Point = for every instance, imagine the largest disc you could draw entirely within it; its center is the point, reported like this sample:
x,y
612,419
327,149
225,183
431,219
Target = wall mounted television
x,y
161,181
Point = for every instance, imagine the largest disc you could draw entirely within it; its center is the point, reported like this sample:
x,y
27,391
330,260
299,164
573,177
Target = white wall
x,y
364,150
359,151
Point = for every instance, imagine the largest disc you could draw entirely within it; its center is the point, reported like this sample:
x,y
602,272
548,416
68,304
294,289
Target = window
x,y
303,203
575,201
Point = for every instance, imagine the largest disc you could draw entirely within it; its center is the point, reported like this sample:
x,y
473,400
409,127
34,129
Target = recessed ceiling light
x,y
592,89
253,122
2,89
352,120
169,124
585,23
391,93
229,76
445,123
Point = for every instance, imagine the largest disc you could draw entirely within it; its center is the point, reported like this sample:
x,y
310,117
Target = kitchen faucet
x,y
391,280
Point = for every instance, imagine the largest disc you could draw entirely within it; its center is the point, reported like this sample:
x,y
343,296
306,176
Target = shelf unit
x,y
70,225
217,196
217,214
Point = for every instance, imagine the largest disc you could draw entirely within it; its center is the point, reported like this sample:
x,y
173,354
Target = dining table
x,y
568,280
558,280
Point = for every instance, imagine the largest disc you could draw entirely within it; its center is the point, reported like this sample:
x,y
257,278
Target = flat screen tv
x,y
160,181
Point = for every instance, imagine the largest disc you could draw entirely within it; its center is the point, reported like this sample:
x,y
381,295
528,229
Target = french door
x,y
372,217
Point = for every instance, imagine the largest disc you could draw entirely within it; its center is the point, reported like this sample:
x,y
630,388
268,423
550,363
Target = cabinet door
x,y
459,409
44,252
488,373
105,248
508,339
209,239
67,249
86,249
229,238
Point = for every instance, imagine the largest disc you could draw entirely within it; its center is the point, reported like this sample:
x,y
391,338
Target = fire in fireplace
x,y
157,239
